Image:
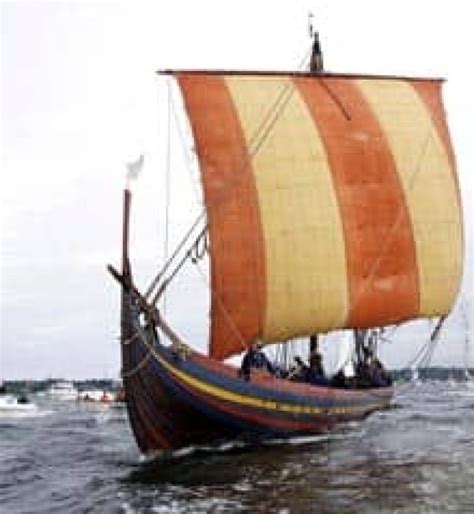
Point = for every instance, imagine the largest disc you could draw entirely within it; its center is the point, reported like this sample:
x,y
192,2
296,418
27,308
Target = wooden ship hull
x,y
178,398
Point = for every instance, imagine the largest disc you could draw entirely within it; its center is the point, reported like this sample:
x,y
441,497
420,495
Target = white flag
x,y
134,168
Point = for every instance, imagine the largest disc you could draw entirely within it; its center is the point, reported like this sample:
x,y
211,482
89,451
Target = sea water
x,y
416,457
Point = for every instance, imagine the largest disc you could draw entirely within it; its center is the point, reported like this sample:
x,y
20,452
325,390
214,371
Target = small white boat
x,y
96,396
63,390
9,404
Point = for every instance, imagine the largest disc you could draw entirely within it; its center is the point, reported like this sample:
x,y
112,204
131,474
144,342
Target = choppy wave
x,y
416,457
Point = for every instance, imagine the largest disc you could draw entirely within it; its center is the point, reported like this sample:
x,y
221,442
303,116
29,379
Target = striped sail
x,y
332,202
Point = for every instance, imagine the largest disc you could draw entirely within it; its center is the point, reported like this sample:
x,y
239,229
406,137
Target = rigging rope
x,y
425,353
169,260
187,155
166,281
200,247
222,306
167,186
168,263
255,143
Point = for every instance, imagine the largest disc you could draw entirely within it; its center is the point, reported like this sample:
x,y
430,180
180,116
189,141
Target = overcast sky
x,y
80,98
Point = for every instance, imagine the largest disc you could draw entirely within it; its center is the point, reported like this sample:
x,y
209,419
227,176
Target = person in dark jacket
x,y
315,374
255,358
378,374
298,371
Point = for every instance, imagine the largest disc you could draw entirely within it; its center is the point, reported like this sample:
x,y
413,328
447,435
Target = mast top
x,y
316,64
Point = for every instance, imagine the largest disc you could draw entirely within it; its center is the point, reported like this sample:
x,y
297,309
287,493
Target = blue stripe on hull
x,y
298,424
337,397
233,422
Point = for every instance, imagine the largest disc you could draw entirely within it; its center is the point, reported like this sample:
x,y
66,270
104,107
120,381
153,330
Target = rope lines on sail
x,y
256,142
392,231
425,354
335,98
261,133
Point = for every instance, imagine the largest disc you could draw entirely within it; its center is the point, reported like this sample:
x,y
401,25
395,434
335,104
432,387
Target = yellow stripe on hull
x,y
238,399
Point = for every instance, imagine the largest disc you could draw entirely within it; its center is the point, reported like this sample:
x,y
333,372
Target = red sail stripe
x,y
381,254
237,246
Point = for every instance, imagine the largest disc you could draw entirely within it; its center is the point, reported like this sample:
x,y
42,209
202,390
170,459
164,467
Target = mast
x,y
313,344
316,64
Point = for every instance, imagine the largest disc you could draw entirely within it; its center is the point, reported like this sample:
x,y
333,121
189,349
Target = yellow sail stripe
x,y
428,182
306,274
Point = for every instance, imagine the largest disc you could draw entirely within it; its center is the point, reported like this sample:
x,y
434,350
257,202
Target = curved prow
x,y
133,355
125,315
127,198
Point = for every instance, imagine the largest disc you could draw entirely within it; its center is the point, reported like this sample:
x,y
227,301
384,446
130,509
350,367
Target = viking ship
x,y
331,203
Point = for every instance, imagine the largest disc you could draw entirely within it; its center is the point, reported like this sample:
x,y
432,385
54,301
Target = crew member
x,y
255,358
315,374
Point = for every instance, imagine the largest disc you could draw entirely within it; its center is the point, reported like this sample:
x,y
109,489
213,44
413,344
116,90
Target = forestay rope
x,y
425,353
167,185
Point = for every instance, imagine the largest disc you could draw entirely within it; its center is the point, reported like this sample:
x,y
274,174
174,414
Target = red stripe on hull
x,y
276,420
264,380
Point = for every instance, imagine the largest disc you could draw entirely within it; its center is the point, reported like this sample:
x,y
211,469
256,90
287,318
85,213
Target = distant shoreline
x,y
405,374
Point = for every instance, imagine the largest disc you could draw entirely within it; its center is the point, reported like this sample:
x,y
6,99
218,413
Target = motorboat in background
x,y
62,390
10,404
